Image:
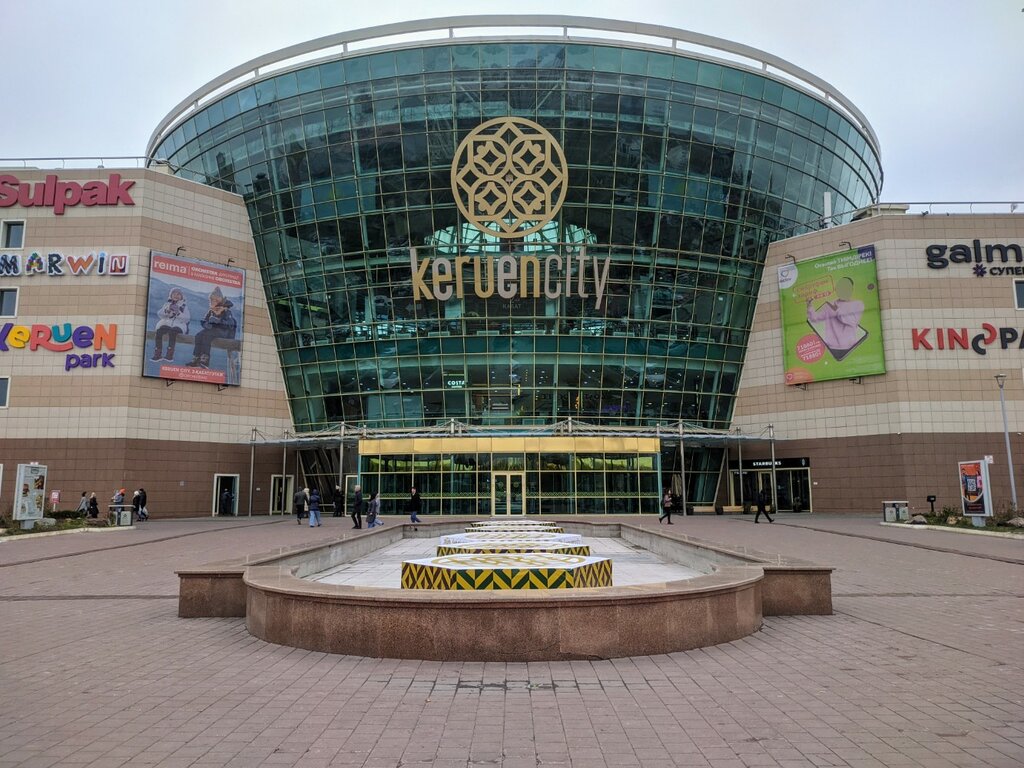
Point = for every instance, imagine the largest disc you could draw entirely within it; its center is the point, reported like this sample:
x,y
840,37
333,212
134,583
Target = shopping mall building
x,y
514,261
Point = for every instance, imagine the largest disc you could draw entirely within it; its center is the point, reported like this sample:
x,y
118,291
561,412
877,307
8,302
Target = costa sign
x,y
59,195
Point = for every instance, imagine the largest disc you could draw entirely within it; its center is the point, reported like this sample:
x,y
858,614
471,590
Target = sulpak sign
x,y
59,195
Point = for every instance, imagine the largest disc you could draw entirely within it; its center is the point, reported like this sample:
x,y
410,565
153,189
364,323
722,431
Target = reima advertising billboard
x,y
194,321
831,321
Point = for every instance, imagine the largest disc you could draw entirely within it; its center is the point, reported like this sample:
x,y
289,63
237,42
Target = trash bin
x,y
895,511
121,516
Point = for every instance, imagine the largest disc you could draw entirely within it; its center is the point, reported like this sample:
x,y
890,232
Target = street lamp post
x,y
1001,381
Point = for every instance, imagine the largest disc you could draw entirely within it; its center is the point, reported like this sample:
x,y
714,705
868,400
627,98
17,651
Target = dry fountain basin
x,y
735,588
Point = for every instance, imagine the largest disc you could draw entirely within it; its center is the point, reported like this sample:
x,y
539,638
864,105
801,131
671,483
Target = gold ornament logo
x,y
509,177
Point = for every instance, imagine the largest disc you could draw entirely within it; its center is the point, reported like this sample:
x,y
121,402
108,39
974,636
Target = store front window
x,y
792,483
463,482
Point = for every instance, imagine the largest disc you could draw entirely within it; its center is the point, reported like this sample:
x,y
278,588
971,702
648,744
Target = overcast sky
x,y
941,81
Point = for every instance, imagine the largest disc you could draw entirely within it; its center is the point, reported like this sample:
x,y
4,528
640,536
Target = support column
x,y
739,447
284,474
252,464
682,466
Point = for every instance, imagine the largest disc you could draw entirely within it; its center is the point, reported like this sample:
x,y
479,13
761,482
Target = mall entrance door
x,y
222,484
507,489
282,489
793,488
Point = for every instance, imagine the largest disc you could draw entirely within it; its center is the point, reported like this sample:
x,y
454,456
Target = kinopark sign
x,y
962,338
59,195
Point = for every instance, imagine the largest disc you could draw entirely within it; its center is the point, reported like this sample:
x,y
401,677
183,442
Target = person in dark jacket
x,y
314,508
339,501
219,323
94,506
299,505
763,498
143,510
226,505
357,508
666,507
414,505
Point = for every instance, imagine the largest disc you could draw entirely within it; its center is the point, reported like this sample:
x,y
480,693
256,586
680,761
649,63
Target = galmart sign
x,y
992,259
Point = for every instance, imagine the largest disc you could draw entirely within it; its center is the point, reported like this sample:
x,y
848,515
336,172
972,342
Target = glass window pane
x,y
8,302
14,234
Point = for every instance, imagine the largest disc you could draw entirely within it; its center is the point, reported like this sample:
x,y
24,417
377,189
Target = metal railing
x,y
71,163
954,208
580,29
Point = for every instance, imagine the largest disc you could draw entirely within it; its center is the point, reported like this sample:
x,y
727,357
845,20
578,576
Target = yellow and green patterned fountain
x,y
496,554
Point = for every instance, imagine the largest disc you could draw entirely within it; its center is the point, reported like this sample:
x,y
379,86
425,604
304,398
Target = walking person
x,y
373,511
299,504
83,505
314,508
226,503
143,511
413,506
118,502
339,501
666,507
357,507
762,503
94,506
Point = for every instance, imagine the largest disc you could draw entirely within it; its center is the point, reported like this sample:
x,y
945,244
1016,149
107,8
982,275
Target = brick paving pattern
x,y
919,666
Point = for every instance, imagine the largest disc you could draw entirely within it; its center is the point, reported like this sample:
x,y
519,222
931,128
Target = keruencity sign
x,y
56,194
509,178
508,276
993,260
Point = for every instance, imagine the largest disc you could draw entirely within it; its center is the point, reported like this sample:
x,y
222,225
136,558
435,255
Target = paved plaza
x,y
921,665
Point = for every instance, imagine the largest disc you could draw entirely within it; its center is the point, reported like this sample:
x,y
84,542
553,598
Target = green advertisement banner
x,y
831,323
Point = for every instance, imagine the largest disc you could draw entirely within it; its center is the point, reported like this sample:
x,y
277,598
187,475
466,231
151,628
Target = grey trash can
x,y
122,515
895,511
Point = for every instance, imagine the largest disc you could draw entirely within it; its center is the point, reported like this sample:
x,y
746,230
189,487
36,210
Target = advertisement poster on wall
x,y
974,495
831,323
30,492
194,321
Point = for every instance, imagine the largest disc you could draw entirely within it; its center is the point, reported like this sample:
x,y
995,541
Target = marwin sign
x,y
525,276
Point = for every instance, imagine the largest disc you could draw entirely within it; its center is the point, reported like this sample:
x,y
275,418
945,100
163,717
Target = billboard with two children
x,y
194,320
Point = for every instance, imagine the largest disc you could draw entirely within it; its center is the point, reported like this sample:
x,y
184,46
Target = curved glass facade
x,y
680,171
